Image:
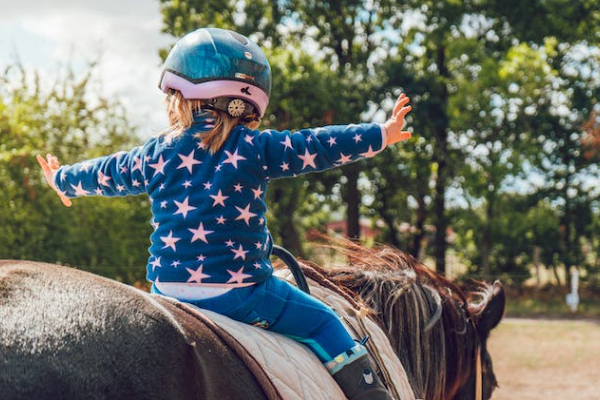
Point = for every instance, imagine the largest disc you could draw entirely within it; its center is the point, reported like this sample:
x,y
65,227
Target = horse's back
x,y
67,334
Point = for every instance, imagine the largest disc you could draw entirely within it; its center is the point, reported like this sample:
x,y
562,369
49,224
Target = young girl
x,y
206,179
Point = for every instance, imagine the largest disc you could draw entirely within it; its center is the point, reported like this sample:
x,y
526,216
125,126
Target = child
x,y
206,178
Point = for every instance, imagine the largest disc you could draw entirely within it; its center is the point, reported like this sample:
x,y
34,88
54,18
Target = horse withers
x,y
68,334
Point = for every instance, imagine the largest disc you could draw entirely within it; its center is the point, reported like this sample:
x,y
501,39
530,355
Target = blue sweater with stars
x,y
209,210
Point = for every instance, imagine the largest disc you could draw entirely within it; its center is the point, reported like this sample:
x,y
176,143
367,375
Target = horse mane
x,y
430,320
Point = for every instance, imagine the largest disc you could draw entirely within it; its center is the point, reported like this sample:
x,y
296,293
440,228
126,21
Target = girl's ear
x,y
252,123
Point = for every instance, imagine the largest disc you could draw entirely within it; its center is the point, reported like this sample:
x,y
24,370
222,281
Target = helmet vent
x,y
239,37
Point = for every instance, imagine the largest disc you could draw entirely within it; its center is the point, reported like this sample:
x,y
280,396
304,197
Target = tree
x,y
343,35
71,121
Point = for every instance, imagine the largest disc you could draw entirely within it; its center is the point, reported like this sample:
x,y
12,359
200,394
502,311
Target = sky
x,y
123,35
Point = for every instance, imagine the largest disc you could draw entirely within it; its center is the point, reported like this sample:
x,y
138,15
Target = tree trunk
x,y
568,220
441,157
420,228
352,202
285,204
486,239
388,219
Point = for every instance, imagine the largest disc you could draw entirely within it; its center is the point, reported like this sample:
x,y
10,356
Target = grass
x,y
546,359
549,302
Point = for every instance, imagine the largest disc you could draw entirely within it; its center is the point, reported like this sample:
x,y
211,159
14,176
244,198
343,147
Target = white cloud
x,y
123,36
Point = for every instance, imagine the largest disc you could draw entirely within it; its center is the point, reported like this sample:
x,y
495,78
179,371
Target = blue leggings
x,y
281,307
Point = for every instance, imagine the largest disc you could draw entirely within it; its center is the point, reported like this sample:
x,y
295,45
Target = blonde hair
x,y
181,116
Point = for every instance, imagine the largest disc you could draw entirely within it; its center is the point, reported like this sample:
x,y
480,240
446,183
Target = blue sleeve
x,y
119,174
285,154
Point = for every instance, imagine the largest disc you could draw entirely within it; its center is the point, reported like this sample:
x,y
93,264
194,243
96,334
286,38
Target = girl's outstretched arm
x,y
286,154
120,174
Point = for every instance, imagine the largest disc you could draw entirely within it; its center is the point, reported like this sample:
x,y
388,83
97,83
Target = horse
x,y
438,330
68,334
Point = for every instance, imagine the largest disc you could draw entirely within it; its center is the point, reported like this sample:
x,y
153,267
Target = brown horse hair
x,y
428,318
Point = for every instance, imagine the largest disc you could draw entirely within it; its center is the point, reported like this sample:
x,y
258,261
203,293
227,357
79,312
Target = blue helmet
x,y
221,66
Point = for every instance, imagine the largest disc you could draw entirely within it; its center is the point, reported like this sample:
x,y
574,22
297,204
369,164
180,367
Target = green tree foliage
x,y
70,120
500,93
343,35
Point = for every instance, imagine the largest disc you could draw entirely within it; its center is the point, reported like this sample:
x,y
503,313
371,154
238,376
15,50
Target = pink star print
x,y
249,139
219,199
221,220
240,253
188,161
331,141
137,164
98,191
238,276
159,167
370,153
344,158
200,233
183,208
207,185
197,275
238,188
103,179
233,158
285,166
257,192
287,143
245,214
308,159
229,243
170,241
201,258
79,190
86,166
155,264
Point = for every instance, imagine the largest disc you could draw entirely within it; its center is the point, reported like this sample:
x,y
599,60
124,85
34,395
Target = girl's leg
x,y
288,310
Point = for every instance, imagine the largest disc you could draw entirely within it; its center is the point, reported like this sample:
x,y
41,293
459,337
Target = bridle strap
x,y
478,377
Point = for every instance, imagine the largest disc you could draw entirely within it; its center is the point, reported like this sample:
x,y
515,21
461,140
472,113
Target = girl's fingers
x,y
65,200
400,103
402,113
43,164
48,167
399,137
405,135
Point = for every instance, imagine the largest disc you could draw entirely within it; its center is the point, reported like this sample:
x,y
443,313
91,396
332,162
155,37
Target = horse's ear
x,y
493,311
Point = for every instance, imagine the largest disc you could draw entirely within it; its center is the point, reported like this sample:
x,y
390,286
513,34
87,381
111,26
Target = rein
x,y
478,376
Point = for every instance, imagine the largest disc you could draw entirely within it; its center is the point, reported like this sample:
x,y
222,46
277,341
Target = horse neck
x,y
428,329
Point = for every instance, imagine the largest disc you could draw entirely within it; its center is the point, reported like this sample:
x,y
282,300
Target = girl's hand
x,y
393,126
49,168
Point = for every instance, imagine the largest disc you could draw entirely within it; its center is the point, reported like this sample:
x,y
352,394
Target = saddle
x,y
286,369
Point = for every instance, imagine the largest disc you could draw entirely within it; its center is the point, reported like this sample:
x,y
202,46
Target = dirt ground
x,y
546,359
